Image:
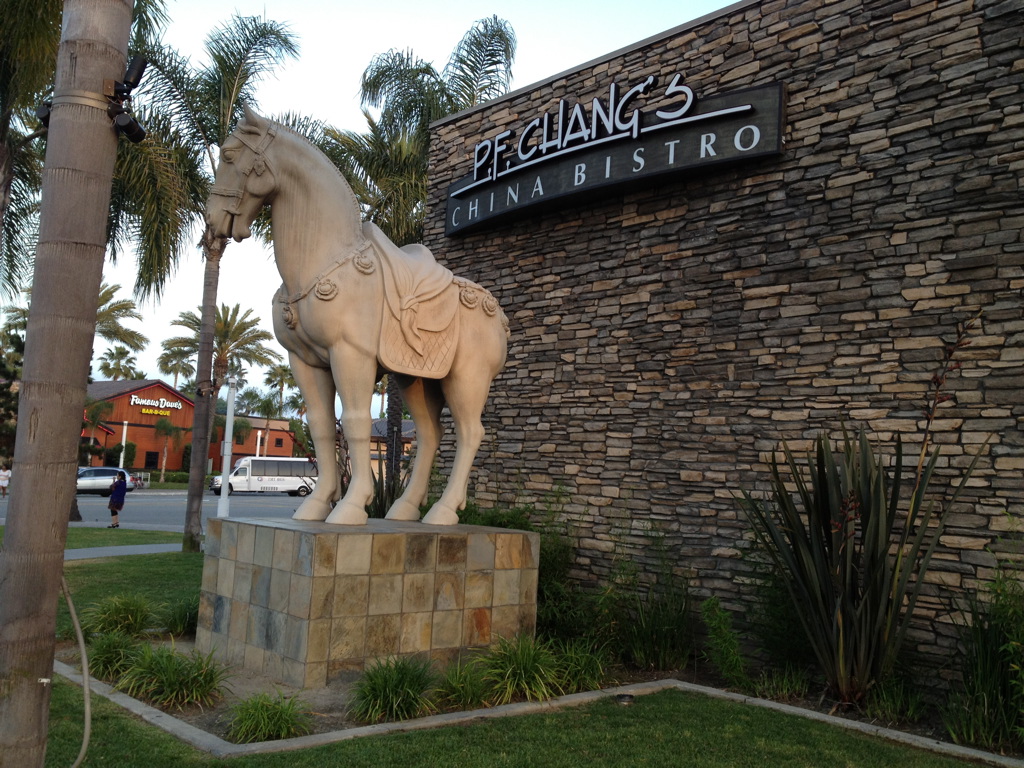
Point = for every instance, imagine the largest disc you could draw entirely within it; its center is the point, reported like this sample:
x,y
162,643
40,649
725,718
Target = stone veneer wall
x,y
664,339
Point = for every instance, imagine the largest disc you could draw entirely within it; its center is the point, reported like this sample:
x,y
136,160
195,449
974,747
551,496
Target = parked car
x,y
98,479
215,483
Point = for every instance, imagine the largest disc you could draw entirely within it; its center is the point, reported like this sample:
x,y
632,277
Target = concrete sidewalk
x,y
90,553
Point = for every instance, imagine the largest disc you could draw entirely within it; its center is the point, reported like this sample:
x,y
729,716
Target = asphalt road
x,y
165,510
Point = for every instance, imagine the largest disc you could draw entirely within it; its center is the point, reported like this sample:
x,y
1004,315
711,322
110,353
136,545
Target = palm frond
x,y
481,64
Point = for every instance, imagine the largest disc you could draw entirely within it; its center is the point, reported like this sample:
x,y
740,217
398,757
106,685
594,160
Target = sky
x,y
337,41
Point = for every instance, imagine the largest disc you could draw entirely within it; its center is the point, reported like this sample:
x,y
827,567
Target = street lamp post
x,y
225,451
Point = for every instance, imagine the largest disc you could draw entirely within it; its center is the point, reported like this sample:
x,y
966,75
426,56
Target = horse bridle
x,y
257,162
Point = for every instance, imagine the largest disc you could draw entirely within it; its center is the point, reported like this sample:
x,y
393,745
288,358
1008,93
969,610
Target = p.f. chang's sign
x,y
638,131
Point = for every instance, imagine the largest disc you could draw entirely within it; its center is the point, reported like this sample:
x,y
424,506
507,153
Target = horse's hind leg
x,y
466,396
424,400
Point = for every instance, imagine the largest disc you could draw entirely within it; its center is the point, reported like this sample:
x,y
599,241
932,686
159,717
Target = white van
x,y
296,477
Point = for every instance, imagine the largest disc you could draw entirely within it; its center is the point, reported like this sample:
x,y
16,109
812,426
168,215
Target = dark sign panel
x,y
632,134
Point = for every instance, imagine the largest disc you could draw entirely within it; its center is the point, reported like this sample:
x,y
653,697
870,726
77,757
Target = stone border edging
x,y
217,747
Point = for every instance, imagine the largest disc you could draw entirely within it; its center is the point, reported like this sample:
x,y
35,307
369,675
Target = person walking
x,y
5,479
118,490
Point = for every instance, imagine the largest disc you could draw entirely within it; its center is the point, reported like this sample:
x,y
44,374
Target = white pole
x,y
225,451
124,444
259,439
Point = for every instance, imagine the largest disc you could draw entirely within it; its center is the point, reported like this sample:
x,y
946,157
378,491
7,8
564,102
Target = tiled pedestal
x,y
302,602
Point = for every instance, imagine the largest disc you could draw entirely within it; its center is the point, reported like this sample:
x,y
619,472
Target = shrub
x,y
267,718
655,631
182,617
130,615
894,701
169,679
773,617
723,645
564,610
111,654
386,490
523,667
987,709
393,689
853,565
463,686
516,518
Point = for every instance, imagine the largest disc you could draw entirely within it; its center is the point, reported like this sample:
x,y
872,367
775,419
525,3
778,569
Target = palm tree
x,y
248,400
280,378
76,186
110,316
411,93
166,429
118,363
150,190
175,362
205,105
111,313
240,373
386,168
237,339
296,404
96,412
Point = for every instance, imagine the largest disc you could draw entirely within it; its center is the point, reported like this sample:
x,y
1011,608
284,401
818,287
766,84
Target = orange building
x,y
138,405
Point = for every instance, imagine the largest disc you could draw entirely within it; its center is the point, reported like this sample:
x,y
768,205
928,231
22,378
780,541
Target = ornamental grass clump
x,y
394,689
523,668
111,654
172,680
463,686
129,615
268,718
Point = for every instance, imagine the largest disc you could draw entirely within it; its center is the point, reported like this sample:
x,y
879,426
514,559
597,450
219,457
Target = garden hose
x,y
85,672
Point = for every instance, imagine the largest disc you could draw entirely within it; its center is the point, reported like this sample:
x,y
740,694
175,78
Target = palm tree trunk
x,y
72,241
163,463
206,396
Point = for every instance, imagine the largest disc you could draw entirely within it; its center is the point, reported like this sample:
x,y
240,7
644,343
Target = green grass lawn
x,y
161,578
669,729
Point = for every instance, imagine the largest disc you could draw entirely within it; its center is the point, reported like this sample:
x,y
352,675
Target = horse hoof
x,y
439,515
312,509
347,514
403,510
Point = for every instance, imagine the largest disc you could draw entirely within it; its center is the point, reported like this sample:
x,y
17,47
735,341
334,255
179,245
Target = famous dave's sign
x,y
159,407
633,131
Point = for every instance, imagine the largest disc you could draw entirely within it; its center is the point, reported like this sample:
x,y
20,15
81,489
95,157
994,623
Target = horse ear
x,y
251,120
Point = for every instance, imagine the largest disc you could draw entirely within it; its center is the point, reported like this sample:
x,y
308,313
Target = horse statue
x,y
355,306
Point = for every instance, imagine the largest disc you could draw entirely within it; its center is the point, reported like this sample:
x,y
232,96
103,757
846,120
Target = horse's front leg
x,y
354,376
317,388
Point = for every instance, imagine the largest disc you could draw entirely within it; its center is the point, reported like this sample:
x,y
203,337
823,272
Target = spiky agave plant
x,y
852,560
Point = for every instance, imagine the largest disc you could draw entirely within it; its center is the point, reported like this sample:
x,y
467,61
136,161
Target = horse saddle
x,y
420,320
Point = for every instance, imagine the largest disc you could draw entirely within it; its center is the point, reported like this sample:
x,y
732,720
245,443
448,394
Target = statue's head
x,y
245,180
